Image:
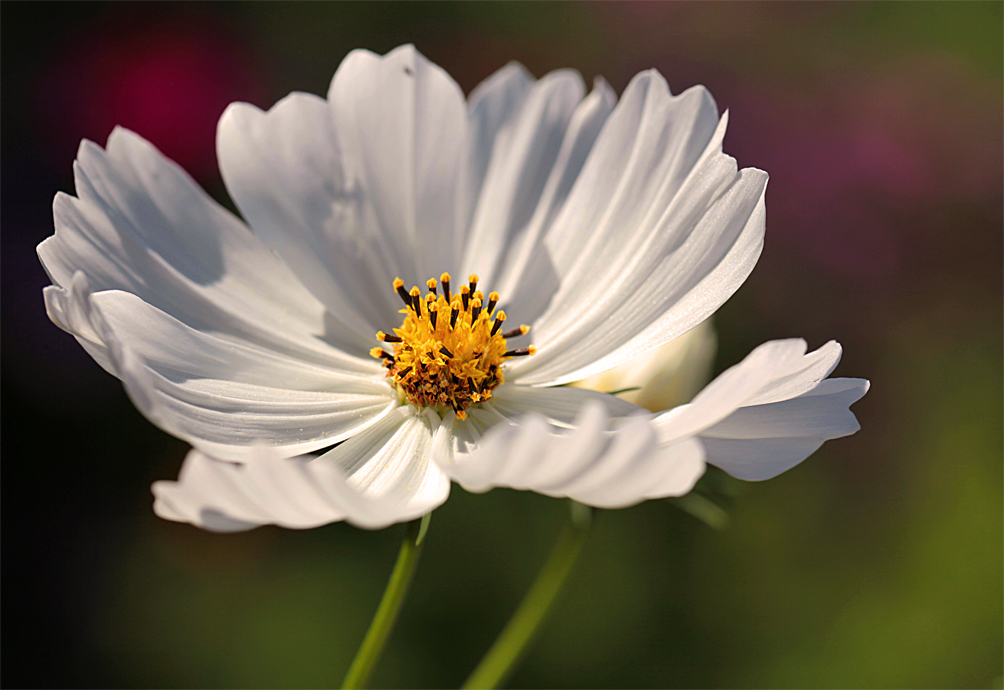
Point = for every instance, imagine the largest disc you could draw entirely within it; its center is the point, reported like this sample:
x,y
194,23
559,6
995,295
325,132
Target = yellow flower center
x,y
450,350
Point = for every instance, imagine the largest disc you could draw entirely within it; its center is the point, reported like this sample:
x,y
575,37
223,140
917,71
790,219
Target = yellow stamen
x,y
447,363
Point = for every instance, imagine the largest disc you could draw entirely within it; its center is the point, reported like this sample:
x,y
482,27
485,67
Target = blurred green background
x,y
876,563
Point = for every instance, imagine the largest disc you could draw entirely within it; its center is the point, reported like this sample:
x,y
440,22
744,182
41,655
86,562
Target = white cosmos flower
x,y
612,227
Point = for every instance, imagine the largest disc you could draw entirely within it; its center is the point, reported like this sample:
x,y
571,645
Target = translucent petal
x,y
307,492
401,123
492,107
769,412
286,172
142,225
523,156
778,362
559,406
224,397
600,462
673,230
762,441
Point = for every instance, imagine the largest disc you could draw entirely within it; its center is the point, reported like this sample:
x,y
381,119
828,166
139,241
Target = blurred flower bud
x,y
665,377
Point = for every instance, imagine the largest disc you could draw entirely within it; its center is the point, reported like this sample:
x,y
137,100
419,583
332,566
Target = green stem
x,y
510,646
390,606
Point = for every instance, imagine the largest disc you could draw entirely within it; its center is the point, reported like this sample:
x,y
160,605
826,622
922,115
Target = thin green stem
x,y
513,642
390,606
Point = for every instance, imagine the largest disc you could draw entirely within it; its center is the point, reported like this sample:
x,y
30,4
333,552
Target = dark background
x,y
876,563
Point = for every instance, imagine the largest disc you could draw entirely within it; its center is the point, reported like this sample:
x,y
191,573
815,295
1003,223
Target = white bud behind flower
x,y
670,375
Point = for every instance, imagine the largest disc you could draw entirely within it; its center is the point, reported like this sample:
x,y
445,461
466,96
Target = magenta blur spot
x,y
168,82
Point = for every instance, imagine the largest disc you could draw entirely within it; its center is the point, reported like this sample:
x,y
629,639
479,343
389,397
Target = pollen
x,y
448,352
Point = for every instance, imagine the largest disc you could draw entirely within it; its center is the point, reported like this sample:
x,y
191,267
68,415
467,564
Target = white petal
x,y
591,464
648,147
779,364
559,405
70,308
674,230
402,127
770,411
224,397
307,492
226,497
284,170
822,411
492,106
143,226
691,283
456,438
392,462
762,441
529,279
802,378
523,156
759,459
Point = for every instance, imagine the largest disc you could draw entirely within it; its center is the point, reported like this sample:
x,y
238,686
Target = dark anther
x,y
388,337
404,295
453,317
520,352
497,326
513,333
403,372
432,318
445,351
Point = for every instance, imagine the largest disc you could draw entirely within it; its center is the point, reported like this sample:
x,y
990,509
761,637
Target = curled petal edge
x,y
296,493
